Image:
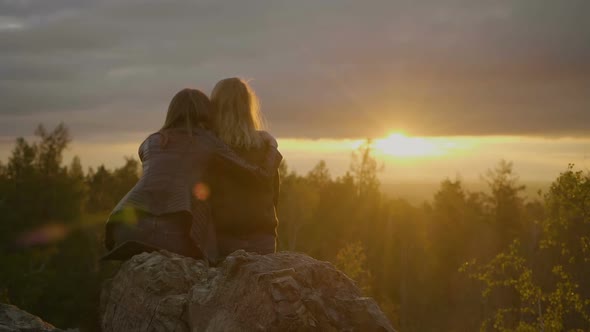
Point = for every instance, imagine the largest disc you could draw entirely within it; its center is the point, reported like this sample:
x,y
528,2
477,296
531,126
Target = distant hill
x,y
417,192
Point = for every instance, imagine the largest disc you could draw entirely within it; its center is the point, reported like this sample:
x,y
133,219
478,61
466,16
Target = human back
x,y
243,210
162,211
240,204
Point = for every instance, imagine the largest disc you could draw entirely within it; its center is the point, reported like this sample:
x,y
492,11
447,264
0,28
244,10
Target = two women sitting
x,y
210,181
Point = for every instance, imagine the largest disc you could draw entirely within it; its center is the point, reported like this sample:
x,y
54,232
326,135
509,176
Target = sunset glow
x,y
400,145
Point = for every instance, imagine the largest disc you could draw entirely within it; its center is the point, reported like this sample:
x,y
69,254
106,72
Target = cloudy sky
x,y
332,69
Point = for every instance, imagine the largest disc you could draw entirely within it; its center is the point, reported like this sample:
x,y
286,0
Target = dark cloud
x,y
322,69
41,11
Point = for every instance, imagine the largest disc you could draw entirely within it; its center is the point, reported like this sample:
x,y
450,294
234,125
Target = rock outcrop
x,y
286,291
13,319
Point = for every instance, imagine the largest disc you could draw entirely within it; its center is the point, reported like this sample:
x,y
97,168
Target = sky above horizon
x,y
513,76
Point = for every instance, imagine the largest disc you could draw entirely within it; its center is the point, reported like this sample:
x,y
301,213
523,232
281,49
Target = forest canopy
x,y
491,261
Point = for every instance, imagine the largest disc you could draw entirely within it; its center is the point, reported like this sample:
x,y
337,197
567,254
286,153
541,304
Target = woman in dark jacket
x,y
167,203
243,209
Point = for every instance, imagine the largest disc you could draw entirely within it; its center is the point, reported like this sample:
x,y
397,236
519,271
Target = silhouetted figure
x,y
243,209
169,201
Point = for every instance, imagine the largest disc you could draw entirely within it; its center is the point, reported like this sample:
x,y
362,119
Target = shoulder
x,y
153,140
206,137
268,138
156,137
203,132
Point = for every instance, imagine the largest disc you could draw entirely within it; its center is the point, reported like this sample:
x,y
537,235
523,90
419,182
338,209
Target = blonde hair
x,y
188,109
236,116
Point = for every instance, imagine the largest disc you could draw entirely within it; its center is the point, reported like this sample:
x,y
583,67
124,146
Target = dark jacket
x,y
173,172
240,204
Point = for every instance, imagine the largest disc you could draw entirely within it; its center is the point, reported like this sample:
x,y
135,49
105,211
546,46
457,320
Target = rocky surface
x,y
285,291
13,319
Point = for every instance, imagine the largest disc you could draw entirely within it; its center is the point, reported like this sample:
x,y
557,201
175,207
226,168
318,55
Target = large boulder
x,y
286,291
13,319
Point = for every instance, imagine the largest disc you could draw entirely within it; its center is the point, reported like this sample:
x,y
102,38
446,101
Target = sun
x,y
400,145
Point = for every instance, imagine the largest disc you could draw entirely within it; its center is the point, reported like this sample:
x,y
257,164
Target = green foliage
x,y
352,260
464,261
364,168
298,203
505,204
35,187
547,291
567,227
536,308
50,247
107,188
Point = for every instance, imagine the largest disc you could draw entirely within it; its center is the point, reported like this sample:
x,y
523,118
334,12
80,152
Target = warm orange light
x,y
400,145
395,146
201,191
42,235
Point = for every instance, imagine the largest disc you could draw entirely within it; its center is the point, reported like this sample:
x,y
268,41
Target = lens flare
x,y
128,216
46,234
201,191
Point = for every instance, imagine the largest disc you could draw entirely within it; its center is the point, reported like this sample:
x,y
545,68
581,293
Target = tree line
x,y
462,261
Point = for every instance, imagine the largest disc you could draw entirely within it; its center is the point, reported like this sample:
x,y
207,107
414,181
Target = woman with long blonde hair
x,y
243,210
167,207
237,119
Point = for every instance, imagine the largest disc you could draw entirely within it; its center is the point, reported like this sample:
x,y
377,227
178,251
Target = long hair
x,y
188,109
236,117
